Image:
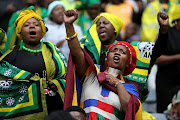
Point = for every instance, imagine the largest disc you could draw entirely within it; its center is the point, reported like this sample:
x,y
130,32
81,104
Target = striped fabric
x,y
28,99
96,98
98,102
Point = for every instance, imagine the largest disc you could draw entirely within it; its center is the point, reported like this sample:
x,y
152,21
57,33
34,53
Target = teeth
x,y
116,58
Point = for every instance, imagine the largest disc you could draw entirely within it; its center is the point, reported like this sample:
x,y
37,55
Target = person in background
x,y
124,10
56,28
149,25
45,3
12,38
169,64
76,112
173,109
60,115
8,7
131,33
32,75
89,10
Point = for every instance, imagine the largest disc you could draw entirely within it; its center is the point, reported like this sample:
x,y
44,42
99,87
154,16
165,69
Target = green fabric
x,y
12,38
27,101
84,4
140,73
89,45
84,21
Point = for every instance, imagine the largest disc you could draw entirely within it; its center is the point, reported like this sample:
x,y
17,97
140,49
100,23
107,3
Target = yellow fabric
x,y
50,69
150,26
138,115
176,13
114,20
74,102
26,15
147,116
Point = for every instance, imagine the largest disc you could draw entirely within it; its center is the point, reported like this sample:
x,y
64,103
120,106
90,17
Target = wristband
x,y
70,38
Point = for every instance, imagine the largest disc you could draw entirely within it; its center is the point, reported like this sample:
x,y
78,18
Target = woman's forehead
x,y
32,20
102,19
119,47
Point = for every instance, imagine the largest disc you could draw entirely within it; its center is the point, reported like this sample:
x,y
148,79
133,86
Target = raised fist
x,y
70,16
163,20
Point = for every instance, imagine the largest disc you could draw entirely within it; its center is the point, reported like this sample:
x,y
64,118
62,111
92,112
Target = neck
x,y
36,47
108,42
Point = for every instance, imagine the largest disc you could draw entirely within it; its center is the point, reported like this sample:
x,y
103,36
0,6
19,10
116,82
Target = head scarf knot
x,y
113,19
26,15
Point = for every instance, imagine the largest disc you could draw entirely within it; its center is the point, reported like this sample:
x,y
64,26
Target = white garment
x,y
57,33
92,91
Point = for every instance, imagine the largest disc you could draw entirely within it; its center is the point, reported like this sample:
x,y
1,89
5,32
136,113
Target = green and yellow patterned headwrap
x,y
26,15
113,19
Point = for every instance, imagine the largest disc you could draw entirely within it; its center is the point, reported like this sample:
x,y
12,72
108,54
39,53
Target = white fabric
x,y
57,33
92,90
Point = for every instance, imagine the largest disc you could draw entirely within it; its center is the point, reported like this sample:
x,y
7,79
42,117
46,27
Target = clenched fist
x,y
70,16
163,20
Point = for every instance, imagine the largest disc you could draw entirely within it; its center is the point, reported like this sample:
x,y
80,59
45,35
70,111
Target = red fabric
x,y
69,87
102,80
132,108
131,66
105,107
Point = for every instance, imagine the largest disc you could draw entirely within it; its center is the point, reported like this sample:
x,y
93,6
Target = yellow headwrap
x,y
176,13
26,15
113,19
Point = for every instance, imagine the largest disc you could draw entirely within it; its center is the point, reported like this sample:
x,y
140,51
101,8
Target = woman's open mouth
x,y
102,33
32,34
116,59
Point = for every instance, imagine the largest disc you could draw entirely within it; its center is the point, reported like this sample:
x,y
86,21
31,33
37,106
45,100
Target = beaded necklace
x,y
22,46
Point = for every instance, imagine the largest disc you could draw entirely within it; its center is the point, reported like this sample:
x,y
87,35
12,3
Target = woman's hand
x,y
52,86
163,20
111,79
70,16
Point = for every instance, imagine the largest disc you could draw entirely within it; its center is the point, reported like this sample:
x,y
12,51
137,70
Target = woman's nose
x,y
32,26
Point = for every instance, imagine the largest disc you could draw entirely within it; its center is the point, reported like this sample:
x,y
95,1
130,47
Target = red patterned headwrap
x,y
131,56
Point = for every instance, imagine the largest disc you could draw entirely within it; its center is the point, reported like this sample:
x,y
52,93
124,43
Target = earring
x,y
115,31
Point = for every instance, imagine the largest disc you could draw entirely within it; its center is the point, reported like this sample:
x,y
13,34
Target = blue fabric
x,y
105,92
90,102
131,89
78,88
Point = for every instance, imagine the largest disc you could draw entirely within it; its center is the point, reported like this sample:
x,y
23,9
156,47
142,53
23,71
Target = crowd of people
x,y
88,59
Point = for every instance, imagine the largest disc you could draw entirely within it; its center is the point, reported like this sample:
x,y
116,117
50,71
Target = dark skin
x,y
81,64
106,31
77,115
93,11
57,17
29,3
31,35
163,20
